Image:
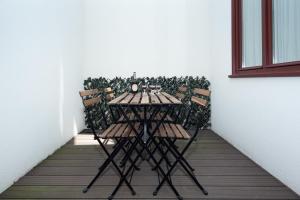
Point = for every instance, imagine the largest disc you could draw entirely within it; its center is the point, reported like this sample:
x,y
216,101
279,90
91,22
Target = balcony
x,y
225,172
245,52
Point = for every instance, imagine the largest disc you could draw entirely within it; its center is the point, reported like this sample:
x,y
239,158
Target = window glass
x,y
286,31
251,33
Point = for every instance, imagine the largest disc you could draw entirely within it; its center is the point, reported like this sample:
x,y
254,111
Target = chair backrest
x,y
88,93
109,93
199,102
91,100
90,97
180,94
200,96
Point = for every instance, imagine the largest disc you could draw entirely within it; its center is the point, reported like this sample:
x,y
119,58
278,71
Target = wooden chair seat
x,y
120,130
171,131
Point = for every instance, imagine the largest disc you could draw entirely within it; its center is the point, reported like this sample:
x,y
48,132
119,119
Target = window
x,y
265,38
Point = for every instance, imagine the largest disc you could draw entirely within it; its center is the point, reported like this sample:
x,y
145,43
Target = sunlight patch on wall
x,y
61,98
75,128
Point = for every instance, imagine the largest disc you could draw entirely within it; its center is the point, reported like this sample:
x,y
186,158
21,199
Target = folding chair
x,y
175,114
92,101
115,116
110,94
168,131
90,94
180,95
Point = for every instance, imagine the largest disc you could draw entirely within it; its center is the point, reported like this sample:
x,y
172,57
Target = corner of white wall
x,y
259,116
41,66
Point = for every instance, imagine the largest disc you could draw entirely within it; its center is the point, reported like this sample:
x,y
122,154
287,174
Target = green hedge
x,y
168,84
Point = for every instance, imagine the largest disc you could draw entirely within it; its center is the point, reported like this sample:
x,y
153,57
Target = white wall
x,y
41,42
150,37
40,75
260,116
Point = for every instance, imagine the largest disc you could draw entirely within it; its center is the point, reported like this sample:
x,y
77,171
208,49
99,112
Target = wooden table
x,y
144,107
144,99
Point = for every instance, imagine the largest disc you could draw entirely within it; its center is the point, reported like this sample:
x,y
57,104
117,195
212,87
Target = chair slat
x,y
108,90
127,131
91,102
110,96
121,130
182,89
84,93
107,131
179,95
176,131
202,92
162,131
183,132
113,132
136,127
199,101
169,131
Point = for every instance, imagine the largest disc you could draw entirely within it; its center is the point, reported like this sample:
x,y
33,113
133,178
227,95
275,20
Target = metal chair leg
x,y
175,149
180,156
184,160
123,161
106,163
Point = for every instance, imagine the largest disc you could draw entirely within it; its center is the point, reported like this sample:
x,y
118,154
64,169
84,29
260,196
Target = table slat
x,y
145,98
136,99
154,99
171,98
163,99
118,99
127,99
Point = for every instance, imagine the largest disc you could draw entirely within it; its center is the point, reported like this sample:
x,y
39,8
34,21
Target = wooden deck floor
x,y
223,170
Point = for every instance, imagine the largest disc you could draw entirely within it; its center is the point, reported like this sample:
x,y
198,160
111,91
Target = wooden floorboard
x,y
223,170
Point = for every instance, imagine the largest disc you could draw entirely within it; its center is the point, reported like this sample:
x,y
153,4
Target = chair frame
x,y
89,103
179,155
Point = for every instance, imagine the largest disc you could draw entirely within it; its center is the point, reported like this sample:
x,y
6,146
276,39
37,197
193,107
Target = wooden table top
x,y
140,98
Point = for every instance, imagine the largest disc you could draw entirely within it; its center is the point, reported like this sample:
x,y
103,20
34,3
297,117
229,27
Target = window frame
x,y
268,68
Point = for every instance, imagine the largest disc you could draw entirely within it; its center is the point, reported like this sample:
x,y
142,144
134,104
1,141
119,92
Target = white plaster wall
x,y
41,42
150,37
40,76
259,116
